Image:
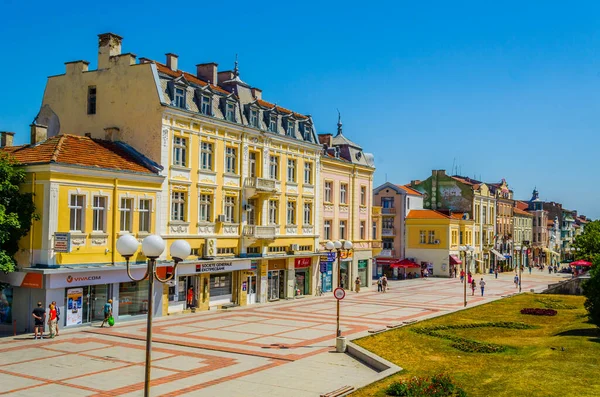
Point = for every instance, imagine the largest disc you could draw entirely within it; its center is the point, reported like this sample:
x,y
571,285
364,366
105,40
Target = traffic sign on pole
x,y
339,293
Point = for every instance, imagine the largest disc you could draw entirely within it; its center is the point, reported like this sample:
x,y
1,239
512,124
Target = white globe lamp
x,y
153,246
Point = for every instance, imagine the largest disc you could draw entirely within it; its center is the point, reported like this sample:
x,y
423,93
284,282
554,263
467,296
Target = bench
x,y
339,392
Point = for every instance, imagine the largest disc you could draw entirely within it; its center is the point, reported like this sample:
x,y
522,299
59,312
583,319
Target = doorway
x,y
276,288
95,297
251,293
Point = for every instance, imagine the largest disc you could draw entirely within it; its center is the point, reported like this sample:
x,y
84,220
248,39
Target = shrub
x,y
438,386
550,303
539,312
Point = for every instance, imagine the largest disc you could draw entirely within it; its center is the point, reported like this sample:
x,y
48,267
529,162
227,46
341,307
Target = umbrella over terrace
x,y
581,262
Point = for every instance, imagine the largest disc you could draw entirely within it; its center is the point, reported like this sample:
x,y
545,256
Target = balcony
x,y
260,232
256,186
388,211
388,231
387,253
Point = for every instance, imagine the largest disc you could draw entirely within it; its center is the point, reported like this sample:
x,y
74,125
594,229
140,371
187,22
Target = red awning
x,y
581,263
386,261
455,260
405,263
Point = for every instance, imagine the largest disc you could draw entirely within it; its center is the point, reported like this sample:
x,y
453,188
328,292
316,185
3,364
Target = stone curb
x,y
383,367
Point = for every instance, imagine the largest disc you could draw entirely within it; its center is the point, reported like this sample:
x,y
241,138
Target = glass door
x,y
251,295
99,296
273,291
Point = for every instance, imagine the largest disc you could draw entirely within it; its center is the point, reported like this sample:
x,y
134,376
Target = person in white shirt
x,y
482,285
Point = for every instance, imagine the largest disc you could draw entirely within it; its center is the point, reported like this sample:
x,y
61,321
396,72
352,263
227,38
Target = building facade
x,y
522,235
396,201
240,173
346,179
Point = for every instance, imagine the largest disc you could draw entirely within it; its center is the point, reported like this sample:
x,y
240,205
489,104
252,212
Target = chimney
x,y
257,93
145,60
109,45
77,67
112,134
6,138
207,72
225,76
39,133
172,61
325,140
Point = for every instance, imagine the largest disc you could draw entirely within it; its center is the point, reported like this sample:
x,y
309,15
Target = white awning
x,y
498,255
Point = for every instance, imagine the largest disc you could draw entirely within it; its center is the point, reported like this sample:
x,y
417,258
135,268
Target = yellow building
x,y
433,240
240,173
87,193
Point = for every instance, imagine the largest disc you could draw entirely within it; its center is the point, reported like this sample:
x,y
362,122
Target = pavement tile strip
x,y
248,352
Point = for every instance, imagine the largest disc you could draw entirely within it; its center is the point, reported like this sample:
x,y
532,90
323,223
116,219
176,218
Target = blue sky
x,y
505,90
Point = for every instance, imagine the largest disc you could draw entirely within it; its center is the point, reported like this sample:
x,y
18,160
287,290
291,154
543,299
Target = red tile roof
x,y
188,76
77,150
457,215
519,211
283,110
410,190
426,214
522,205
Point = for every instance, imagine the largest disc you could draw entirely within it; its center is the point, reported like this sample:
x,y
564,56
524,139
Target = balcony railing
x,y
261,185
388,231
260,232
388,211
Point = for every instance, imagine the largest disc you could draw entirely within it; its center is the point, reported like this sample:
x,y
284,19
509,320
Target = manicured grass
x,y
533,364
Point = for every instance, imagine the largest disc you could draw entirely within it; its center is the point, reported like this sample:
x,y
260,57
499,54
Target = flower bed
x,y
539,312
551,303
438,386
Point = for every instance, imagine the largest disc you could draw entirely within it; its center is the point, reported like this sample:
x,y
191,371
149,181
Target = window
x,y
204,212
206,156
76,206
273,123
253,250
431,237
230,160
484,214
327,192
363,195
308,173
178,208
342,230
230,111
307,135
180,98
387,202
179,151
362,230
374,230
229,209
99,213
126,211
343,191
278,249
327,230
205,105
274,167
91,100
273,212
291,171
251,213
422,237
461,238
307,213
225,251
454,237
254,118
291,128
291,213
388,243
145,211
388,223
252,164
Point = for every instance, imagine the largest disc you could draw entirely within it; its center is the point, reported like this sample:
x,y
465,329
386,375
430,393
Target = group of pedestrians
x,y
40,317
471,282
382,284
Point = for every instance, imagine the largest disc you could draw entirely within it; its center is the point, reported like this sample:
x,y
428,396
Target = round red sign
x,y
339,293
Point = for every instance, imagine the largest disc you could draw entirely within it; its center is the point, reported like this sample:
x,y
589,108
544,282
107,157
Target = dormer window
x,y
273,123
180,97
307,132
230,112
254,118
205,105
291,128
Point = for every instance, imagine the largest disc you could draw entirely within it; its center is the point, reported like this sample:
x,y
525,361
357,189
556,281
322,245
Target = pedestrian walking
x,y
379,285
469,278
516,280
39,318
52,320
496,272
57,316
107,312
473,286
357,284
529,269
384,283
190,298
462,276
482,285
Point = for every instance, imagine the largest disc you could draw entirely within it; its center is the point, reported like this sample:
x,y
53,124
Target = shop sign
x,y
244,285
253,265
23,279
103,276
74,306
301,262
220,267
345,255
62,242
323,267
362,264
328,257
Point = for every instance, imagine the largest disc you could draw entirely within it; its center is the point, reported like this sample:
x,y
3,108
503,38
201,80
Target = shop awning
x,y
386,261
581,263
455,260
405,263
498,255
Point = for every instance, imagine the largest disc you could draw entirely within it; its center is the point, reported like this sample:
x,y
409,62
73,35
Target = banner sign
x,y
328,257
220,267
74,306
301,263
62,242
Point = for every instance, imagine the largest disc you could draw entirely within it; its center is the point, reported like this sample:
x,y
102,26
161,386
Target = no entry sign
x,y
339,293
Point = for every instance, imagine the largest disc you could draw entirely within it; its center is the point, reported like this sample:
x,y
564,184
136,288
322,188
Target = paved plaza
x,y
282,348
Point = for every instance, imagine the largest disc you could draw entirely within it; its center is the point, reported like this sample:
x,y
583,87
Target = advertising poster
x,y
74,306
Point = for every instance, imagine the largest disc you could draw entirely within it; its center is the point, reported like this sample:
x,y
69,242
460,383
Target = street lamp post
x,y
339,246
523,249
465,249
152,247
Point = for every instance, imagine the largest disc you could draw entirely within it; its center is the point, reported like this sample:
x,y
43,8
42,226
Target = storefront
x,y
383,267
302,273
276,280
326,270
363,266
345,273
251,283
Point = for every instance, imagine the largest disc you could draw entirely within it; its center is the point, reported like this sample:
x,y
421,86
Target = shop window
x,y
133,298
76,206
220,285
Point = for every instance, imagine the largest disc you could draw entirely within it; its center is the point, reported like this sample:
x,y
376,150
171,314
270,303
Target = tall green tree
x,y
589,249
17,211
588,243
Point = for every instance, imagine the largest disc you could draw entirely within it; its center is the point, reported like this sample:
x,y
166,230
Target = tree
x,y
17,211
588,243
589,249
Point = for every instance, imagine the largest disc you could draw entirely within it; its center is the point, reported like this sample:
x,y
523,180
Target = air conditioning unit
x,y
436,242
221,218
210,247
295,247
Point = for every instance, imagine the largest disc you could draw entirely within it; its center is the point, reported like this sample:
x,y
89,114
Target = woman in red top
x,y
52,319
190,297
462,276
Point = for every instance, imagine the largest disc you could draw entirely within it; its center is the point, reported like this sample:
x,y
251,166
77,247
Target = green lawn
x,y
533,364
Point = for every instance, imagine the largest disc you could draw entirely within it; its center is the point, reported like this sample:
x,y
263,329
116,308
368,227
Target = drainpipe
x,y
352,215
31,231
115,221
